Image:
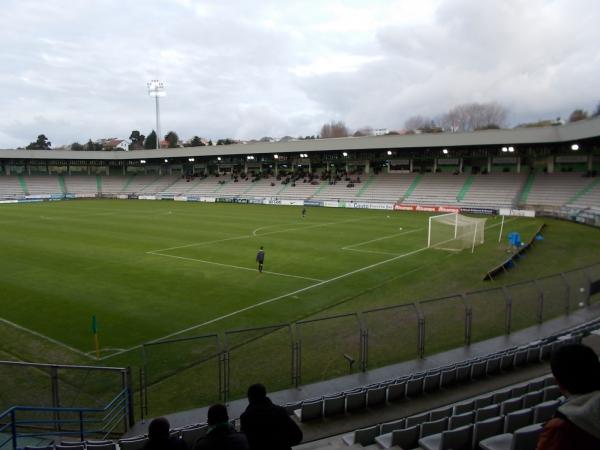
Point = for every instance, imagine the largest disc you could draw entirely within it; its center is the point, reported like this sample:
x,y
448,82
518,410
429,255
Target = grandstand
x,y
495,191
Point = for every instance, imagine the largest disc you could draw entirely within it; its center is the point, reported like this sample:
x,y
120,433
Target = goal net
x,y
455,232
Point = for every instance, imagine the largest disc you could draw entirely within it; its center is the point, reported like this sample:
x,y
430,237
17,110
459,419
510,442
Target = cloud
x,y
247,69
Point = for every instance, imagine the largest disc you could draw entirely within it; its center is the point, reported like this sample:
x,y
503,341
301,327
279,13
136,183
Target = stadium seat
x,y
333,405
511,405
433,427
551,393
482,402
521,358
362,436
441,412
133,444
524,438
543,412
507,361
478,369
448,377
518,419
501,396
414,387
519,390
80,446
356,401
376,396
464,407
406,438
493,365
396,391
463,372
487,412
431,382
536,385
417,419
461,420
486,429
388,427
106,446
456,439
532,398
310,410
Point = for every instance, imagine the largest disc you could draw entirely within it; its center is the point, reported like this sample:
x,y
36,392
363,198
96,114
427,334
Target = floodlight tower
x,y
156,89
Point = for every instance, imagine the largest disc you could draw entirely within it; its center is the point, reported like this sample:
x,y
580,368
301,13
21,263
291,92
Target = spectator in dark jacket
x,y
576,424
221,435
268,426
159,439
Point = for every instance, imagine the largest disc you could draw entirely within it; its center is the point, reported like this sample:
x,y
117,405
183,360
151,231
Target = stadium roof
x,y
585,129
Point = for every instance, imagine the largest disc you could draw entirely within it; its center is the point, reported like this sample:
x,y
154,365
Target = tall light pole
x,y
156,89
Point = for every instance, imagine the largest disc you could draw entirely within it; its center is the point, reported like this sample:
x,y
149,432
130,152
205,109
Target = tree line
x,y
461,118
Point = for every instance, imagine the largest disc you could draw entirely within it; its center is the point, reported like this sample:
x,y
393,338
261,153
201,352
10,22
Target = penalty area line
x,y
271,300
231,266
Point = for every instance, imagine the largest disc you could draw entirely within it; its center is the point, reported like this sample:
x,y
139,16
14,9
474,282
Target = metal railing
x,y
326,347
21,422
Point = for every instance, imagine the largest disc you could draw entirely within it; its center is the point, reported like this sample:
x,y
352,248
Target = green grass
x,y
150,269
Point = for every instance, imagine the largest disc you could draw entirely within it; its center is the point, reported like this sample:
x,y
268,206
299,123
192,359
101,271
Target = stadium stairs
x,y
481,365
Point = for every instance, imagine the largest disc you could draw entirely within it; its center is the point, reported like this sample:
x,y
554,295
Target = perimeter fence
x,y
220,367
41,400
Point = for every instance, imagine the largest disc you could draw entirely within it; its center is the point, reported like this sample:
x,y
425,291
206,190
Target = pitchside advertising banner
x,y
444,209
517,212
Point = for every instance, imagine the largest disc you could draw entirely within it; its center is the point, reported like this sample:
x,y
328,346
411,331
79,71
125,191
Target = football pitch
x,y
155,270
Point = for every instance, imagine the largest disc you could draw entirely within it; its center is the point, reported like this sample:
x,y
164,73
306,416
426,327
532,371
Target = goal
x,y
455,232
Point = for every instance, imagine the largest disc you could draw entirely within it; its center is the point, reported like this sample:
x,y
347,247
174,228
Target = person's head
x,y
217,414
256,393
159,428
576,368
261,247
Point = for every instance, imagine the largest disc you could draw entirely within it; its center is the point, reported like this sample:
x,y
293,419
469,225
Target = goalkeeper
x,y
260,259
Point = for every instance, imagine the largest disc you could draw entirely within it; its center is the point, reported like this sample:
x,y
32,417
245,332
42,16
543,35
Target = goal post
x,y
455,232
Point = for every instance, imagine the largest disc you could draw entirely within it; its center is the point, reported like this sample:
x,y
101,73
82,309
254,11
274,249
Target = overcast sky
x,y
245,69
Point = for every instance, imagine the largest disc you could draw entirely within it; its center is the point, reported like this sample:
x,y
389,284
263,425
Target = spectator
x,y
576,424
268,426
159,439
221,434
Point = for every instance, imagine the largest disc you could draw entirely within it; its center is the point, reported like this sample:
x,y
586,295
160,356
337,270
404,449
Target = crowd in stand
x,y
264,426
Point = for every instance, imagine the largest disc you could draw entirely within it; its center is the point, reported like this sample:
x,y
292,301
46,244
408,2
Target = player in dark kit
x,y
303,212
260,259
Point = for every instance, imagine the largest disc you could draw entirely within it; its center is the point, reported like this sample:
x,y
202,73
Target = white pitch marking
x,y
271,300
349,247
274,299
247,236
370,251
47,338
232,266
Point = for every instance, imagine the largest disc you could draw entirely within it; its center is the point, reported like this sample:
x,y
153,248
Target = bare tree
x,y
334,130
474,116
578,114
417,123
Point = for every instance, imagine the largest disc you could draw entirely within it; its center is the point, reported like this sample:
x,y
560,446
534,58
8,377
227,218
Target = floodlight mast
x,y
156,89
